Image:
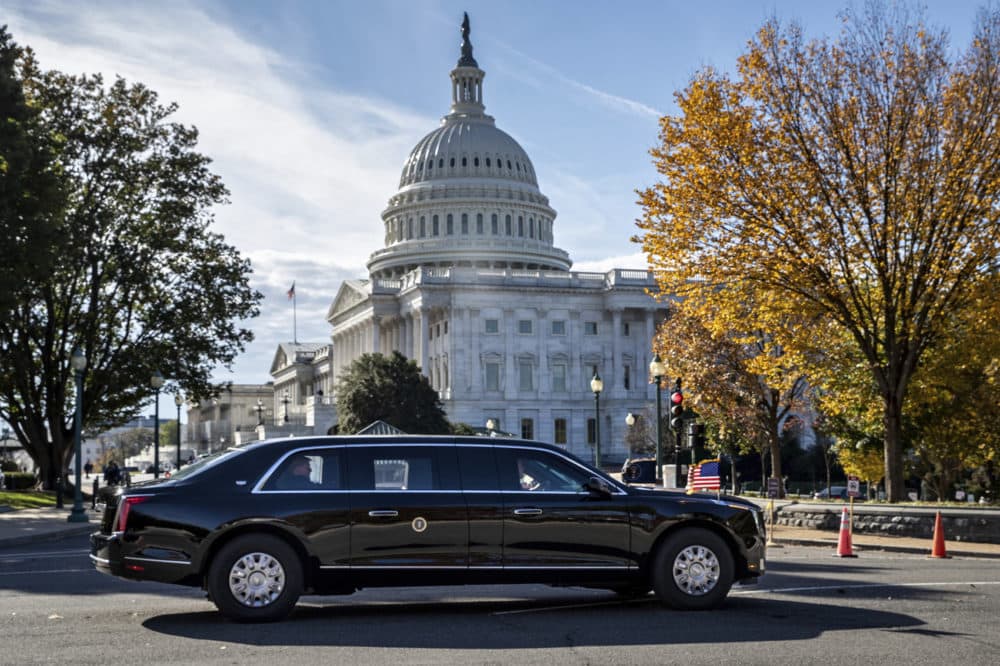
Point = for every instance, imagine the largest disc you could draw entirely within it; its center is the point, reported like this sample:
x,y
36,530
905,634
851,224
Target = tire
x,y
255,578
693,570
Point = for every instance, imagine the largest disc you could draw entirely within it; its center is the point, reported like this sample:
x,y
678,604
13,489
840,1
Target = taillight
x,y
125,506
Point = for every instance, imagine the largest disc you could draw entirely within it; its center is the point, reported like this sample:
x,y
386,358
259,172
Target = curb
x,y
821,543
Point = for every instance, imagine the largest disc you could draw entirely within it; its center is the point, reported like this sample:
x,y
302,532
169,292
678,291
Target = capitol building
x,y
471,286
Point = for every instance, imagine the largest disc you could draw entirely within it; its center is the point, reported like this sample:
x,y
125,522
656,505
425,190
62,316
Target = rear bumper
x,y
110,554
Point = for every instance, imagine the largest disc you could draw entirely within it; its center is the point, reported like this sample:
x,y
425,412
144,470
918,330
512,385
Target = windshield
x,y
203,463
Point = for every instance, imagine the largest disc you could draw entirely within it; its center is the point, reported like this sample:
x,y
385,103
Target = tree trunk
x,y
776,463
894,487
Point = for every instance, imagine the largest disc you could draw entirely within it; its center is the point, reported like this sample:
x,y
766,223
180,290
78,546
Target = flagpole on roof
x,y
295,323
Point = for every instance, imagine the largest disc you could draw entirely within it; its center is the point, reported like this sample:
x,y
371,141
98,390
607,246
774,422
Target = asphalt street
x,y
881,608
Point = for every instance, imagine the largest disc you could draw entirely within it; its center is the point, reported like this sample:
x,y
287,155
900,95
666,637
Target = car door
x,y
317,505
407,509
551,521
478,470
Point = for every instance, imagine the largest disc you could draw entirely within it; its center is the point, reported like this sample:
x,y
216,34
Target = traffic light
x,y
676,406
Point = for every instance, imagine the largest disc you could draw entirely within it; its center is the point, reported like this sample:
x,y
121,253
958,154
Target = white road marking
x,y
859,586
44,571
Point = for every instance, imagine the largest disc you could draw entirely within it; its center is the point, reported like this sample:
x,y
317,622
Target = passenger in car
x,y
527,481
297,475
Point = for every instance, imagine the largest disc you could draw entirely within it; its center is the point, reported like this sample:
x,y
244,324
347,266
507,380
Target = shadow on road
x,y
558,622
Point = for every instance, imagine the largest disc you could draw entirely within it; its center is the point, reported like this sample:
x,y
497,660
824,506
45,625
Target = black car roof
x,y
351,440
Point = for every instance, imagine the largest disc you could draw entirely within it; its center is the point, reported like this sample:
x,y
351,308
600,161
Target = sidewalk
x,y
26,526
804,536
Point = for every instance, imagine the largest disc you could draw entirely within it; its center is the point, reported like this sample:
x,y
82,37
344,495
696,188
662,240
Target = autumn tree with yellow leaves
x,y
854,180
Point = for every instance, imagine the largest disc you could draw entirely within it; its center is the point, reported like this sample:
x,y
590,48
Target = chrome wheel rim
x,y
256,580
696,570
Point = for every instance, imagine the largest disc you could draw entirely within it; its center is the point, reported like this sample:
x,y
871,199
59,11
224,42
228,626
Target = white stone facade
x,y
470,286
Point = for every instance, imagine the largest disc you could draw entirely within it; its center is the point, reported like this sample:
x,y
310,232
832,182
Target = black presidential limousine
x,y
260,525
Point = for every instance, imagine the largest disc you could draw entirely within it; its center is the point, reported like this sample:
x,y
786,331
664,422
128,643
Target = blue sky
x,y
309,109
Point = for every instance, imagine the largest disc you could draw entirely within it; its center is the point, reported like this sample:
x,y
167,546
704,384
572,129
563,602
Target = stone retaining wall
x,y
979,527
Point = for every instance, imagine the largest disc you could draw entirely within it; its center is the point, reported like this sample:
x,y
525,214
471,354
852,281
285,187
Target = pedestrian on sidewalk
x,y
88,468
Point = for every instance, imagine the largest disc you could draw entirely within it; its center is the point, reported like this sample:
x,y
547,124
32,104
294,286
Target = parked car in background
x,y
839,493
260,525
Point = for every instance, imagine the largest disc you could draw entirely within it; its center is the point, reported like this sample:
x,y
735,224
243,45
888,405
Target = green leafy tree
x,y
134,278
388,388
858,178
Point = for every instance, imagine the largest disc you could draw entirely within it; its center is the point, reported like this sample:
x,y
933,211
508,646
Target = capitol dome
x,y
468,195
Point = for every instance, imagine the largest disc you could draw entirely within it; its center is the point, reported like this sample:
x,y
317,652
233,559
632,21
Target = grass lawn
x,y
27,499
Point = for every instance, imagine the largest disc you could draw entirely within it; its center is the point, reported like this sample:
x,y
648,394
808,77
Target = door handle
x,y
527,512
383,513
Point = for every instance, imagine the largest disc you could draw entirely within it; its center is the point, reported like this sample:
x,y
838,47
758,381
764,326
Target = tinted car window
x,y
527,470
388,468
308,470
478,468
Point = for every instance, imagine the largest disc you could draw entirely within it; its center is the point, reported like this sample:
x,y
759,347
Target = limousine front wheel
x,y
693,570
255,578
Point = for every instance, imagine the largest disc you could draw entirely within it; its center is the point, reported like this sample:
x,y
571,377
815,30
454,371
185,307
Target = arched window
x,y
487,163
441,163
531,227
434,225
423,226
452,163
465,162
479,223
475,161
465,223
520,226
496,224
509,230
450,224
409,229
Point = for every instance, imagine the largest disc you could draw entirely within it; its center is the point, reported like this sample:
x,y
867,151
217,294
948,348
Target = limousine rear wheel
x,y
255,578
693,570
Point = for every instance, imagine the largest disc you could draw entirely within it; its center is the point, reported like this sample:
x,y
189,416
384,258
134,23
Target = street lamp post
x,y
79,362
597,385
260,412
657,370
630,422
156,381
284,403
178,400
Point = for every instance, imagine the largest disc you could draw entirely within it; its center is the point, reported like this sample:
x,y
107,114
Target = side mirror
x,y
597,486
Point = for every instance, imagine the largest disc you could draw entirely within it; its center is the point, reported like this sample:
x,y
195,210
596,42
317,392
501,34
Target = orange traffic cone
x,y
937,550
844,548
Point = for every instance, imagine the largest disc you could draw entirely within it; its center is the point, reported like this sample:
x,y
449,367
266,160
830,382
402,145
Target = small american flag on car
x,y
704,476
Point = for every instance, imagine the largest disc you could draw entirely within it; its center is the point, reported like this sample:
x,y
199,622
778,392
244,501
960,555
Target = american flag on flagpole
x,y
704,476
291,292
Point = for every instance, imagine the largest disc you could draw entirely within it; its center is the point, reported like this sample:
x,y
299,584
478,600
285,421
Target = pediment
x,y
350,294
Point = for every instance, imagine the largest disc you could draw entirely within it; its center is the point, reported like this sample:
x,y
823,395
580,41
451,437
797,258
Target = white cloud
x,y
309,167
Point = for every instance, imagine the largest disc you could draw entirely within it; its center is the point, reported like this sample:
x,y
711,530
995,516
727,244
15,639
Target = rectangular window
x,y
524,374
559,327
590,328
492,326
559,378
560,434
524,326
527,429
627,379
492,376
591,431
